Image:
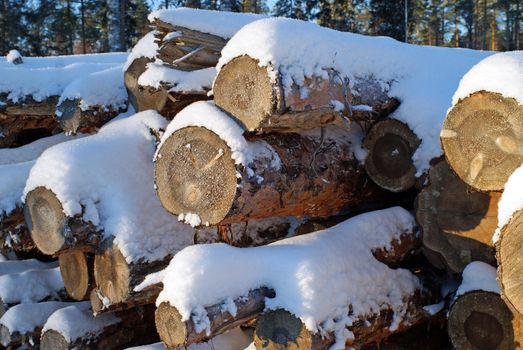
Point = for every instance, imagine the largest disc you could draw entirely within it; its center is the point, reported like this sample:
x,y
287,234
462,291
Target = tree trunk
x,y
457,223
73,119
389,164
177,333
481,320
245,90
76,268
318,176
482,138
51,230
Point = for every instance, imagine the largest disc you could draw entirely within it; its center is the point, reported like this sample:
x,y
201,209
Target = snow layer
x,y
41,77
422,78
511,201
178,81
30,286
25,318
30,151
145,47
315,276
104,88
108,178
13,55
501,73
219,23
77,320
17,266
478,276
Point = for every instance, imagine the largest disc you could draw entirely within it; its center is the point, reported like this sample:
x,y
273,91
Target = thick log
x,y
481,320
244,89
175,332
76,268
482,137
318,176
51,230
389,164
457,222
73,119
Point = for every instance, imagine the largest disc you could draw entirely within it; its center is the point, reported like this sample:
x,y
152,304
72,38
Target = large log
x,y
53,231
318,176
245,89
76,268
482,137
457,222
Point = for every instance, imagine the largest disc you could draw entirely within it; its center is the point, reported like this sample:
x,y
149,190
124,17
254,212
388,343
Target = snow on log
x,y
457,223
287,55
208,172
478,318
194,306
76,269
74,327
482,132
14,57
22,324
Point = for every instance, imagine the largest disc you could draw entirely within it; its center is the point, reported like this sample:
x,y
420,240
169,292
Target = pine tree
x,y
388,18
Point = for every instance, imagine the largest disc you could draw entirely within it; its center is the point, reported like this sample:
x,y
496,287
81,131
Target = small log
x,y
318,176
76,268
457,223
481,320
389,164
131,76
482,138
51,230
175,332
73,119
244,89
14,232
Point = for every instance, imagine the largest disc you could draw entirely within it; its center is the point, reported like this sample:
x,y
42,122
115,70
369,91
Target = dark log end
x,y
131,76
170,327
75,268
111,273
279,329
53,340
73,119
5,336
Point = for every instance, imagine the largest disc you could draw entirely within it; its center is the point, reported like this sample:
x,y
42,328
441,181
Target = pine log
x,y
457,223
482,138
53,231
131,76
14,233
76,268
481,320
177,333
244,89
73,119
389,164
319,176
116,279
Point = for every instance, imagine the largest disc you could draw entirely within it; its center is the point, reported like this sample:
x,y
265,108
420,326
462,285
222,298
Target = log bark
x,y
457,222
481,320
389,163
76,268
482,138
73,119
131,76
177,333
51,230
318,176
245,90
16,340
510,262
14,233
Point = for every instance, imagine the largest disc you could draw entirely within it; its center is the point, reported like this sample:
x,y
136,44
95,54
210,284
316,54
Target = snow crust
x,y
25,318
178,81
511,200
315,276
13,55
423,78
478,276
220,23
77,320
108,178
30,286
145,47
501,73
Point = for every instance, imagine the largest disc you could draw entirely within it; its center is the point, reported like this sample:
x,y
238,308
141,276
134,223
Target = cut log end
x,y
5,336
75,268
389,164
483,141
279,329
199,155
45,219
53,340
111,273
170,327
244,89
481,320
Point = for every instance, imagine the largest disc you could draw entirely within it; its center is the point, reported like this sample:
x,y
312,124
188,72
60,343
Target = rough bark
x,y
51,230
482,137
76,268
318,176
177,333
14,233
389,163
457,223
245,90
481,320
16,340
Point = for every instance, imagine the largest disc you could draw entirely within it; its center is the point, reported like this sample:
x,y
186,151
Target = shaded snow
x,y
145,47
478,276
17,266
511,201
199,80
30,286
13,55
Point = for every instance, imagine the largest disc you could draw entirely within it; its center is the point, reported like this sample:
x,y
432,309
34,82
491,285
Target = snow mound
x,y
30,286
478,276
219,23
13,56
315,276
423,78
178,81
108,178
145,47
501,73
511,201
16,266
